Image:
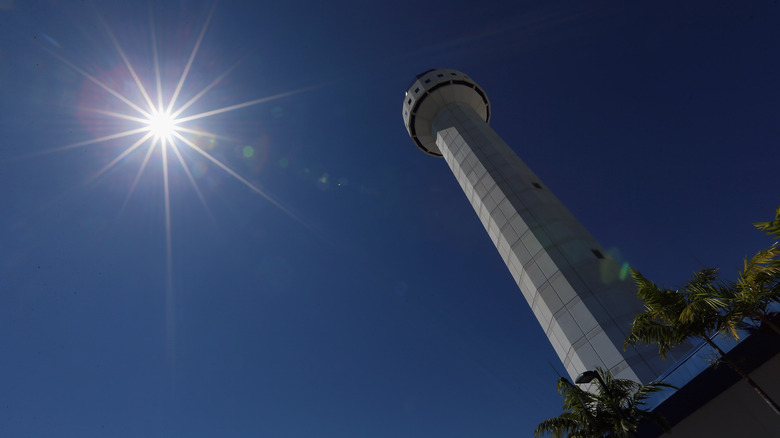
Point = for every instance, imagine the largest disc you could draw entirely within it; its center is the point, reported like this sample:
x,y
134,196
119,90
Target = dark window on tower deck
x,y
416,90
537,185
409,102
454,74
440,75
427,81
597,253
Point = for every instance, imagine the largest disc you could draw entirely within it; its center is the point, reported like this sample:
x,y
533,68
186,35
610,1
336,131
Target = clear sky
x,y
358,295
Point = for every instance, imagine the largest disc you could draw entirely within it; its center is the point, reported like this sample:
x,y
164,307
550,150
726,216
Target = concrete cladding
x,y
571,283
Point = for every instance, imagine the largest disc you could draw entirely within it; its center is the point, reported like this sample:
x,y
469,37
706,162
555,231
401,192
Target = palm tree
x,y
756,290
613,410
672,316
758,286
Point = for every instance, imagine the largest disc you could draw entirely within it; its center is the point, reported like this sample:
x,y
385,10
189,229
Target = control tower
x,y
568,279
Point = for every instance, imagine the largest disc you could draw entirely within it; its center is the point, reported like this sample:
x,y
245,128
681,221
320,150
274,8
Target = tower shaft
x,y
575,289
569,281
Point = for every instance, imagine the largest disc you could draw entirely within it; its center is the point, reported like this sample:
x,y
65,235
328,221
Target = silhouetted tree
x,y
614,410
693,311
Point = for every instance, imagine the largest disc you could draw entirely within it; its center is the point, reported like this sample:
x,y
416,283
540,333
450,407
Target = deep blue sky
x,y
384,311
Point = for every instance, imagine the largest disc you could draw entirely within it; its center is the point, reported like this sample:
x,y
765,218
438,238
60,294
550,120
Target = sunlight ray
x,y
113,114
205,90
190,177
100,84
238,177
206,134
86,143
170,324
242,105
129,66
158,80
167,194
125,153
192,58
138,174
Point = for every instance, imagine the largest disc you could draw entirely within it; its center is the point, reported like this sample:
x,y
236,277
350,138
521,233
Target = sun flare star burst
x,y
162,124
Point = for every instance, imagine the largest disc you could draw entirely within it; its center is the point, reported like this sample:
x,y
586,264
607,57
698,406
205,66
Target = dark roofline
x,y
751,353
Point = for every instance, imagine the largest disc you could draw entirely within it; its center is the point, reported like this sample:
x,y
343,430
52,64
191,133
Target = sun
x,y
162,125
160,119
156,120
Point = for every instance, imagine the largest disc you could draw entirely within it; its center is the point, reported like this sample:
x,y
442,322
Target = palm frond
x,y
648,328
771,228
557,427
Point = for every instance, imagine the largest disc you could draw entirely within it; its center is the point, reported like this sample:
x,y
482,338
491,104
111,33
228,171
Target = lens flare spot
x,y
323,182
206,143
624,270
283,163
248,151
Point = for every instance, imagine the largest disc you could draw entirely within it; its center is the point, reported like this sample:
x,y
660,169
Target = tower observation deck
x,y
567,277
